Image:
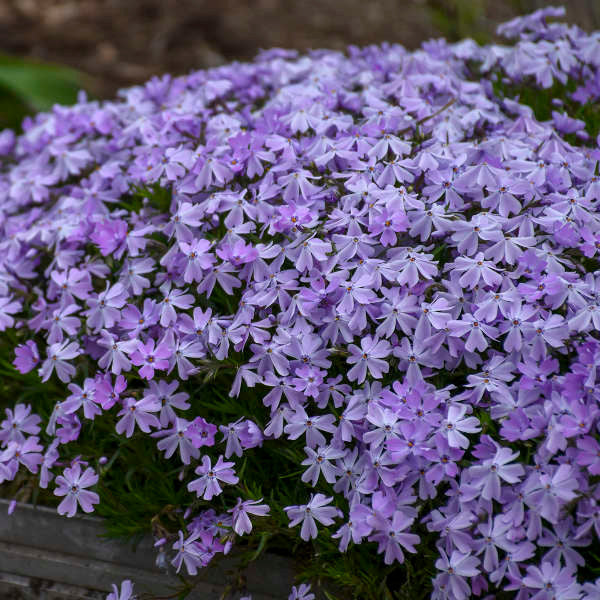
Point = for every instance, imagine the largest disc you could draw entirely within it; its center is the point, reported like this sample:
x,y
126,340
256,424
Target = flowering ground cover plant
x,y
345,304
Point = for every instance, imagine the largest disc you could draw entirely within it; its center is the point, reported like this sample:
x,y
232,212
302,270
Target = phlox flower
x,y
189,551
552,581
300,422
393,538
489,474
125,593
72,484
19,421
176,438
309,514
207,485
137,412
26,356
456,424
57,356
104,308
302,592
318,461
26,453
8,307
368,358
149,357
455,571
201,433
240,512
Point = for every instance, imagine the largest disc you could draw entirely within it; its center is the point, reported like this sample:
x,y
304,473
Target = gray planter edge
x,y
66,558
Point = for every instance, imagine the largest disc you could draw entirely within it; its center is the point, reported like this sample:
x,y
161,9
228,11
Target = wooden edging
x,y
45,556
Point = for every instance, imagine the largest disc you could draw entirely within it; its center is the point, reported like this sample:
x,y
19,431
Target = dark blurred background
x,y
116,43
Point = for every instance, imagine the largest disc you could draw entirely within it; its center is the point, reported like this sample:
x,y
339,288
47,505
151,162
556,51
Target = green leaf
x,y
264,537
40,84
28,86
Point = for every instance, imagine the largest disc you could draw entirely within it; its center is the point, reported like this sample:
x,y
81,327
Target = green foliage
x,y
140,491
540,101
28,86
459,19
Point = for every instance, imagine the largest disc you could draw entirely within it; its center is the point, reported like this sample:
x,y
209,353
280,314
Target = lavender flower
x,y
207,485
72,484
388,255
308,514
125,593
240,512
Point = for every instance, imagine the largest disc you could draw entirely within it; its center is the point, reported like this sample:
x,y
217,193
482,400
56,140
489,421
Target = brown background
x,y
121,42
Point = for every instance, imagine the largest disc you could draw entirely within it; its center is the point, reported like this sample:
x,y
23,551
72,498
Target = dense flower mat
x,y
353,294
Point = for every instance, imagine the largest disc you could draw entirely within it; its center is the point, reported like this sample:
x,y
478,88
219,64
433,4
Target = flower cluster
x,y
399,259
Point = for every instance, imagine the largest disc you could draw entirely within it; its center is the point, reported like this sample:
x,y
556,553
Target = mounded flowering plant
x,y
345,304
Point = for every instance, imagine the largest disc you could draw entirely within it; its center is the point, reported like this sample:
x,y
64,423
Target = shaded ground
x,y
121,42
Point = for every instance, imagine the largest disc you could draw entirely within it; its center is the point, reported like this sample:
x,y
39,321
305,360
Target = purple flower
x,y
126,592
299,422
455,571
207,485
308,380
201,433
250,434
18,422
456,424
240,512
561,541
172,298
191,552
309,514
302,592
387,224
104,309
369,357
49,460
82,397
198,259
319,462
454,529
26,453
397,261
393,537
8,307
135,321
131,275
547,491
138,412
413,265
108,394
176,438
72,484
488,475
552,581
588,454
58,354
60,322
150,358
26,356
115,356
238,254
474,270
477,330
495,536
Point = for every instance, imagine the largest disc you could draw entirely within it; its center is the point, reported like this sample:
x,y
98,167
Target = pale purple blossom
x,y
207,485
317,510
72,485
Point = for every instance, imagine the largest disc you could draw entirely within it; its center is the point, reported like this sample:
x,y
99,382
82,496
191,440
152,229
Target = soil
x,y
122,42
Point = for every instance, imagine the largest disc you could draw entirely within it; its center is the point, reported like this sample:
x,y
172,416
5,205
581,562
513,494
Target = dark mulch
x,y
120,42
